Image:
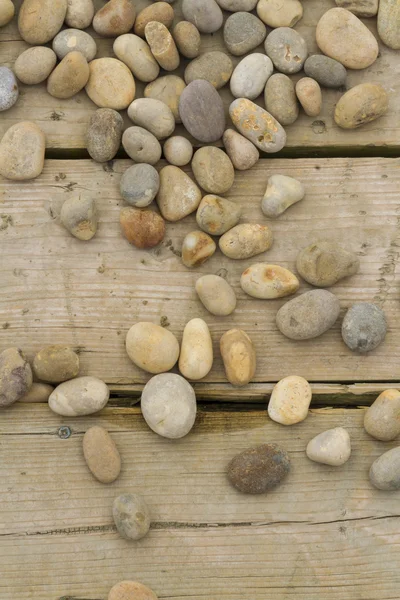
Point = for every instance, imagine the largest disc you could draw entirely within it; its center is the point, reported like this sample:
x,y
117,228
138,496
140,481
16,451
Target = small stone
x,y
139,185
142,228
101,454
216,215
40,20
260,469
290,400
161,12
197,247
196,358
342,36
111,84
325,263
114,18
287,49
309,315
153,115
216,295
327,71
169,405
246,240
79,397
104,134
178,151
281,193
331,447
187,38
361,8
382,418
22,151
205,14
243,32
15,376
250,76
141,145
136,54
8,88
276,13
79,217
213,169
69,77
126,590
56,364
152,347
168,89
362,104
215,67
241,151
384,473
239,357
309,95
202,111
7,11
238,5
257,125
39,392
80,13
178,195
265,281
389,23
280,99
35,64
71,40
364,327
131,516
162,45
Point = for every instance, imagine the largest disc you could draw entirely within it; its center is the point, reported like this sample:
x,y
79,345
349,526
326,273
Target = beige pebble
x,y
266,281
216,215
362,104
141,145
39,392
308,315
213,170
290,400
250,76
281,193
153,115
389,23
151,347
136,54
7,11
131,590
22,151
69,77
196,358
35,64
162,12
80,13
246,240
101,454
178,195
162,45
280,99
15,376
257,125
382,418
79,217
331,447
361,8
310,97
79,397
239,357
114,18
131,516
215,67
280,13
324,263
216,295
56,364
178,151
111,84
187,38
142,228
40,20
168,89
197,247
240,150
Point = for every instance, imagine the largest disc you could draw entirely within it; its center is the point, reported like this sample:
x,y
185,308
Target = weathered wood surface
x,y
65,121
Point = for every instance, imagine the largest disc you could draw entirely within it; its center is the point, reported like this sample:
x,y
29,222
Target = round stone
x,y
151,347
168,89
79,217
331,447
389,23
142,228
104,134
40,20
39,392
139,185
70,40
309,315
259,469
162,45
265,281
257,125
280,99
35,64
15,376
101,454
239,357
69,77
362,104
131,516
243,32
205,14
287,49
213,169
250,76
325,263
187,38
141,145
197,247
327,71
276,13
8,88
290,400
178,195
7,11
310,97
202,111
131,590
79,13
153,115
22,151
111,84
56,364
114,18
215,67
79,397
161,12
364,327
136,54
382,418
384,473
281,193
216,215
216,295
238,5
242,152
178,151
196,358
246,240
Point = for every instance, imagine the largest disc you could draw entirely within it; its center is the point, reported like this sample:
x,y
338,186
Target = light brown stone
x,y
168,89
196,358
40,20
162,45
131,590
142,228
213,169
69,77
239,357
162,12
55,364
216,294
111,84
101,454
187,38
290,400
362,104
136,54
35,64
151,347
79,13
178,195
309,95
382,418
7,11
240,150
197,247
39,392
216,215
246,240
280,13
115,18
266,281
22,151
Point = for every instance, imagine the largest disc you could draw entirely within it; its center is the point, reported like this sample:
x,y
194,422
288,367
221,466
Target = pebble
x,y
331,447
287,49
69,77
8,89
152,347
216,215
276,13
187,38
325,263
361,8
213,169
131,516
281,193
309,315
265,281
310,97
22,151
79,397
239,357
142,228
259,469
40,20
382,418
133,590
101,454
136,54
139,185
7,11
389,23
243,32
384,473
141,145
169,405
362,104
342,36
162,46
246,240
70,40
364,327
168,89
250,76
280,99
111,84
153,115
237,5
205,14
196,358
79,217
257,125
202,111
178,195
216,295
104,134
161,12
80,13
56,364
114,18
327,71
197,247
39,392
15,376
215,67
242,152
178,150
290,400
35,64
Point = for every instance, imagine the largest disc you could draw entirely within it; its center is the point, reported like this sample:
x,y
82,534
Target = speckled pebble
x,y
162,45
389,23
213,169
290,400
35,64
280,99
187,39
243,32
361,8
142,228
364,327
8,88
259,469
215,67
309,315
104,134
131,516
202,111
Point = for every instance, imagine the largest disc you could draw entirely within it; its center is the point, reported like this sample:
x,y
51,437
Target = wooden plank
x,y
65,121
324,533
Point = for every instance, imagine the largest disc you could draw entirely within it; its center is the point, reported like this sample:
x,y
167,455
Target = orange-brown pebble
x,y
197,247
265,281
239,357
101,454
187,38
131,590
162,12
115,18
142,228
69,77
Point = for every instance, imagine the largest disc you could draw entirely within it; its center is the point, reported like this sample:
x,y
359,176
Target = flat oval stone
x,y
79,397
187,39
216,295
196,358
69,77
331,447
257,125
361,8
389,23
142,228
178,195
364,327
22,151
70,40
40,20
15,376
287,49
215,67
35,64
382,418
250,76
169,405
153,115
161,12
79,216
276,13
7,11
342,36
131,589
265,281
8,88
178,150
79,13
216,215
114,18
38,392
281,193
151,347
280,99
111,84
205,14
290,400
362,104
202,111
56,364
246,240
384,473
242,152
309,315
168,89
237,5
101,454
131,516
259,469
139,185
162,45
243,32
239,357
141,145
104,134
197,247
310,97
327,71
325,263
136,54
213,169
